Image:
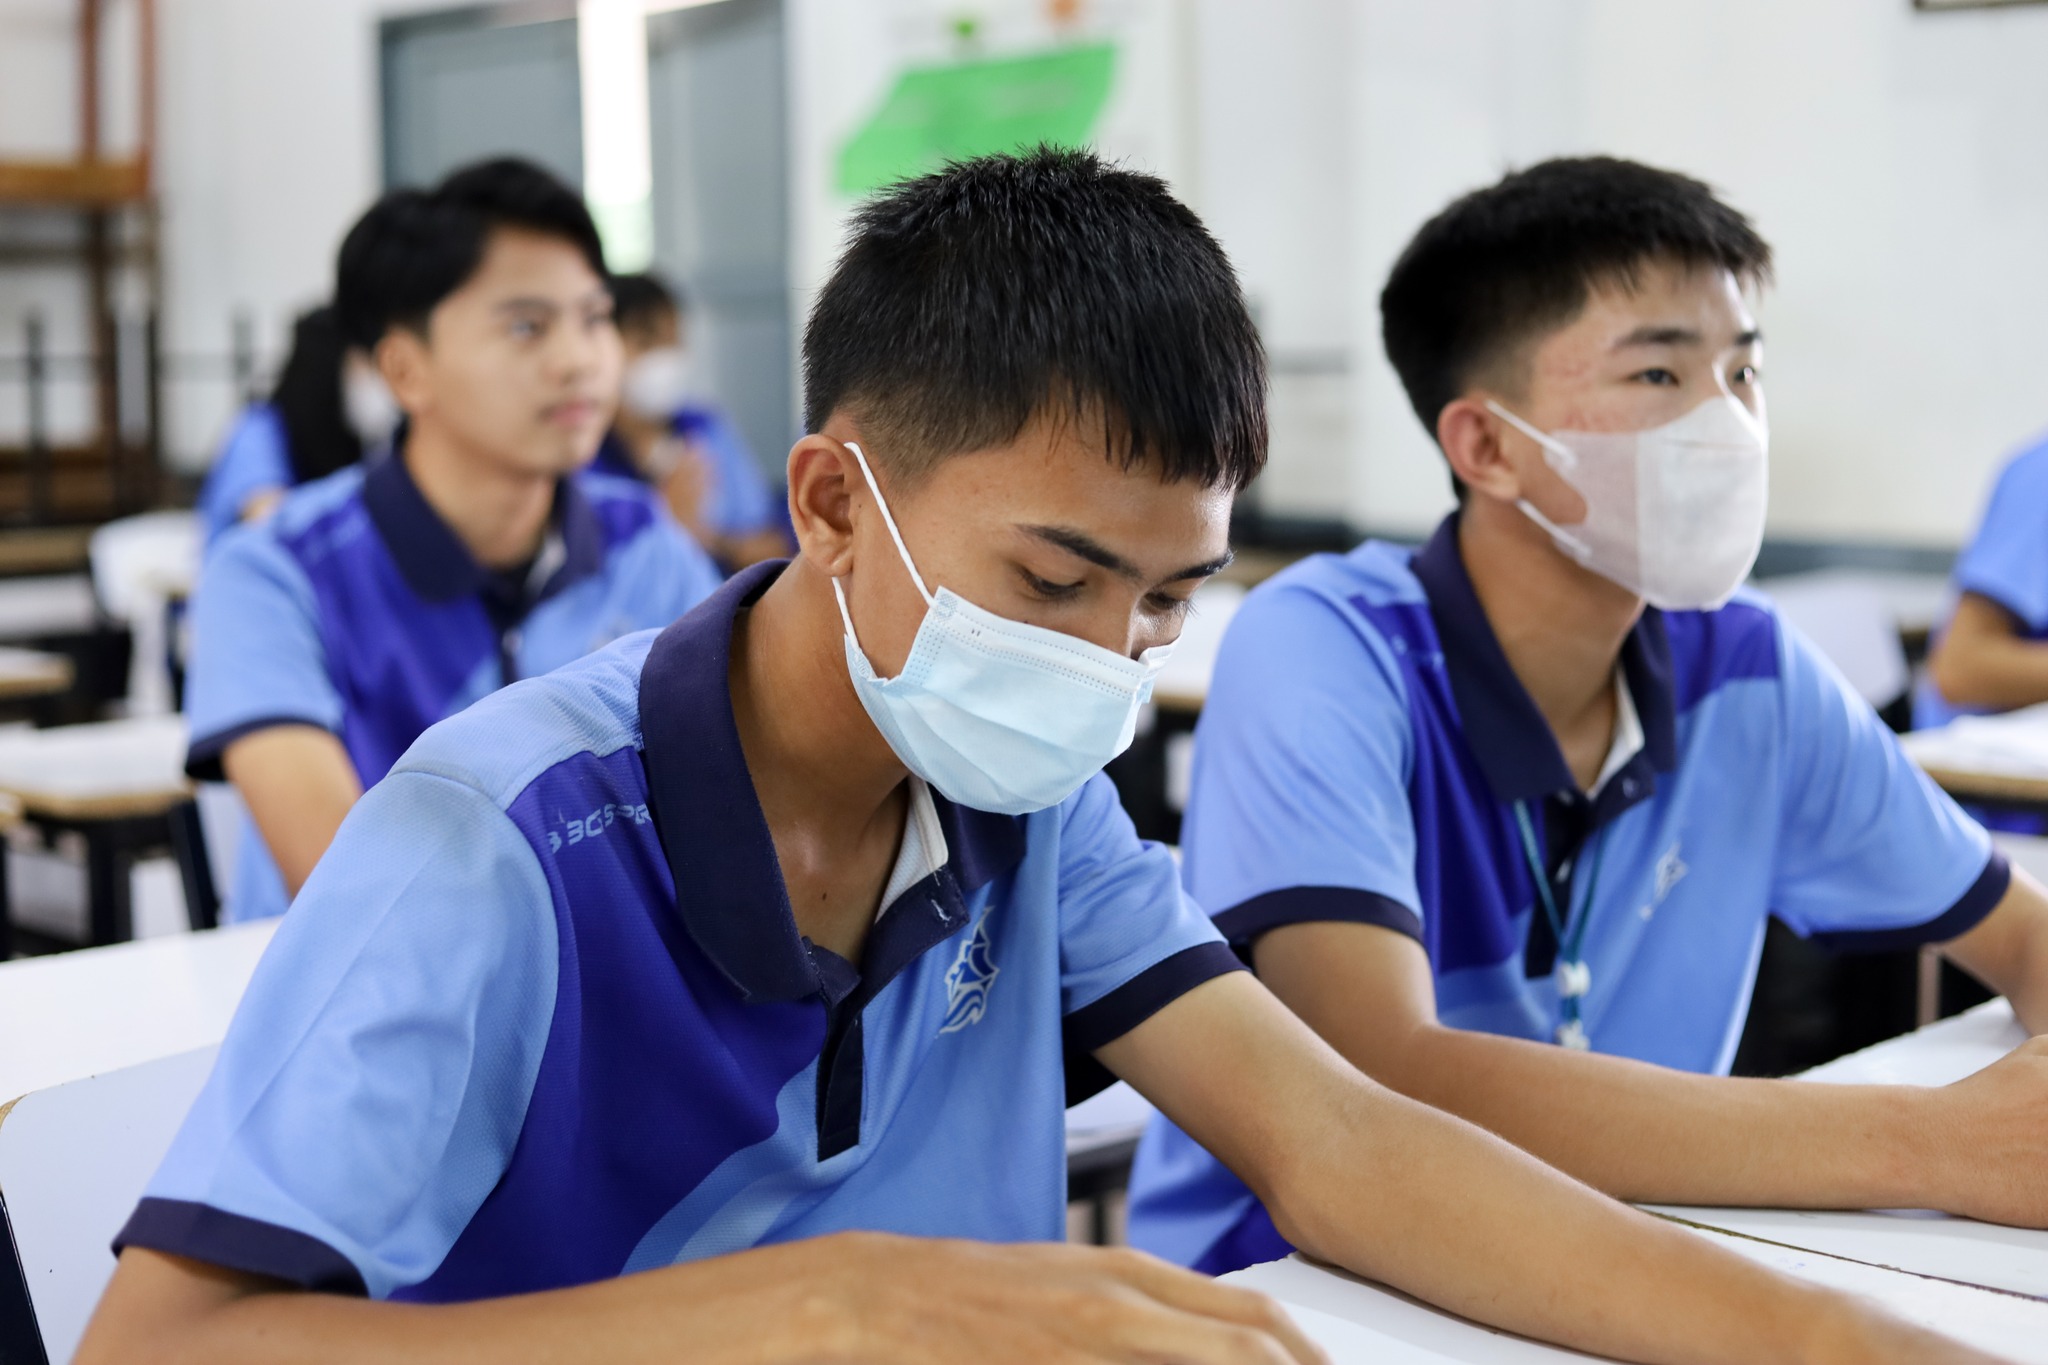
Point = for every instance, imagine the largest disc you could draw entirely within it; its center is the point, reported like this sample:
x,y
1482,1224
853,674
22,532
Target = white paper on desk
x,y
1350,1341
2014,744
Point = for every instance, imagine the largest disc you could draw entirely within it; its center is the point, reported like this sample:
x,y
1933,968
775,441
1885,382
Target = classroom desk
x,y
121,786
1988,760
72,1015
1987,1284
26,673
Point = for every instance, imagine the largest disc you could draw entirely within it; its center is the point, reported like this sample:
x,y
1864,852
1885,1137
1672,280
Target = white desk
x,y
1357,1321
1925,1266
2000,759
72,1015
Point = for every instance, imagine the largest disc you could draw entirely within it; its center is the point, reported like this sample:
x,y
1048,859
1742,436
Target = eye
x,y
523,329
1050,591
1169,607
1748,374
1659,376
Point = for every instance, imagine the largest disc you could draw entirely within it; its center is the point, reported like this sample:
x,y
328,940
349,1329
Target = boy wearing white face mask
x,y
671,434
683,1000
1503,818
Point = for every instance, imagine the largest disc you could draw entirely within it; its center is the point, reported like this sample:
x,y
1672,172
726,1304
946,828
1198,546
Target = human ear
x,y
401,357
822,479
1473,439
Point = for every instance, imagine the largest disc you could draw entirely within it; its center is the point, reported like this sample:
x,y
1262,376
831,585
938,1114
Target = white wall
x,y
1895,160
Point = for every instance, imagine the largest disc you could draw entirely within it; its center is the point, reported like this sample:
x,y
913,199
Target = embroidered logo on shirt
x,y
1671,869
575,830
968,980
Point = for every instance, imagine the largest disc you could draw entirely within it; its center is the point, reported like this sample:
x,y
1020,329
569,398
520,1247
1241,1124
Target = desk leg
x,y
1927,1003
107,891
188,843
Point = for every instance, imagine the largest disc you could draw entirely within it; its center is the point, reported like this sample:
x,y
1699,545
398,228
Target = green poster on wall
x,y
960,109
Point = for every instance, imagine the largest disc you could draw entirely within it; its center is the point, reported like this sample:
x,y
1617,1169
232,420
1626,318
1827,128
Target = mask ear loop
x,y
1558,456
838,592
889,521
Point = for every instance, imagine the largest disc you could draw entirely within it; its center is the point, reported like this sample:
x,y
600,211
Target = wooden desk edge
x,y
1975,786
120,806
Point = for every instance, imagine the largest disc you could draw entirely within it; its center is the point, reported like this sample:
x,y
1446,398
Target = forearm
x,y
1649,1133
1996,672
1525,1248
762,1307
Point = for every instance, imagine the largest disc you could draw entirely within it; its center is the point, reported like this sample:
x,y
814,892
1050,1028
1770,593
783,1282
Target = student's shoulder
x,y
503,743
625,506
310,520
1744,640
310,508
2025,472
1370,593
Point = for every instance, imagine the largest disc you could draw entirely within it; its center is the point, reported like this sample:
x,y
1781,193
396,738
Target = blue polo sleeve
x,y
2007,560
741,500
254,458
1131,942
376,1076
258,659
1871,854
1299,810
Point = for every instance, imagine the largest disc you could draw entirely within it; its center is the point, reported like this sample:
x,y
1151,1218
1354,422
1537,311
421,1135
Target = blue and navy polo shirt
x,y
741,500
2006,561
256,456
542,1014
1360,758
356,609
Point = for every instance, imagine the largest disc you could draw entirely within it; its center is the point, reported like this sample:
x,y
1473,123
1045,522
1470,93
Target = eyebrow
x,y
1651,334
1088,548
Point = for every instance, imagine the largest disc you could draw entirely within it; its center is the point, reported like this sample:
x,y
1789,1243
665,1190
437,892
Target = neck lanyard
x,y
1574,979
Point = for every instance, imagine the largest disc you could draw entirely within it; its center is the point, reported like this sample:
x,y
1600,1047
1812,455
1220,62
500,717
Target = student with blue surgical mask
x,y
381,599
710,998
329,409
1503,818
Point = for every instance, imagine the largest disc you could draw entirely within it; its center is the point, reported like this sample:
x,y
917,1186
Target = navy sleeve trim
x,y
1147,993
1244,922
203,755
1966,914
179,1227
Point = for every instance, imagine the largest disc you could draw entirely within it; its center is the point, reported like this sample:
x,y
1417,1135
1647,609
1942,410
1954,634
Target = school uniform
x,y
357,610
255,457
741,501
2006,562
1367,755
542,1016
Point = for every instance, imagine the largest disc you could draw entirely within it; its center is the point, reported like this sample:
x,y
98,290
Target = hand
x,y
923,1301
1991,1141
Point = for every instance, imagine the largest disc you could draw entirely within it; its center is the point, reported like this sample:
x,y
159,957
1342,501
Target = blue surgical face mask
x,y
998,715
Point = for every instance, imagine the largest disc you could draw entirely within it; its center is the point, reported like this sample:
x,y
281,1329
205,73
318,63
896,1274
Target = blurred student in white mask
x,y
669,433
330,408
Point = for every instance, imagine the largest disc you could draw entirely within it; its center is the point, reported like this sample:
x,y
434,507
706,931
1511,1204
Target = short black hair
x,y
638,299
414,247
971,299
1519,258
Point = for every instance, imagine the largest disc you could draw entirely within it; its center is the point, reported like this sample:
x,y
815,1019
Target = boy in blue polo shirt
x,y
1502,818
1992,654
679,1003
382,599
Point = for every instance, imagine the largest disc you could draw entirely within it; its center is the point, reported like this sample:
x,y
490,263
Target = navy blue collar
x,y
729,889
432,559
1506,734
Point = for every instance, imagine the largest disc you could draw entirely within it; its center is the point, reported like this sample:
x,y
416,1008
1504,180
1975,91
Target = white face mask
x,y
367,405
659,382
1675,514
998,715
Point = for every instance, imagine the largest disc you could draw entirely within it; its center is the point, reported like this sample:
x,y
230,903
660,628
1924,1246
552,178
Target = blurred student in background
x,y
330,408
388,596
1992,655
672,435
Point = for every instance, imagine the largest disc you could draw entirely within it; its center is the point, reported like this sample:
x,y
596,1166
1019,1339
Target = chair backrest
x,y
1854,623
73,1162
